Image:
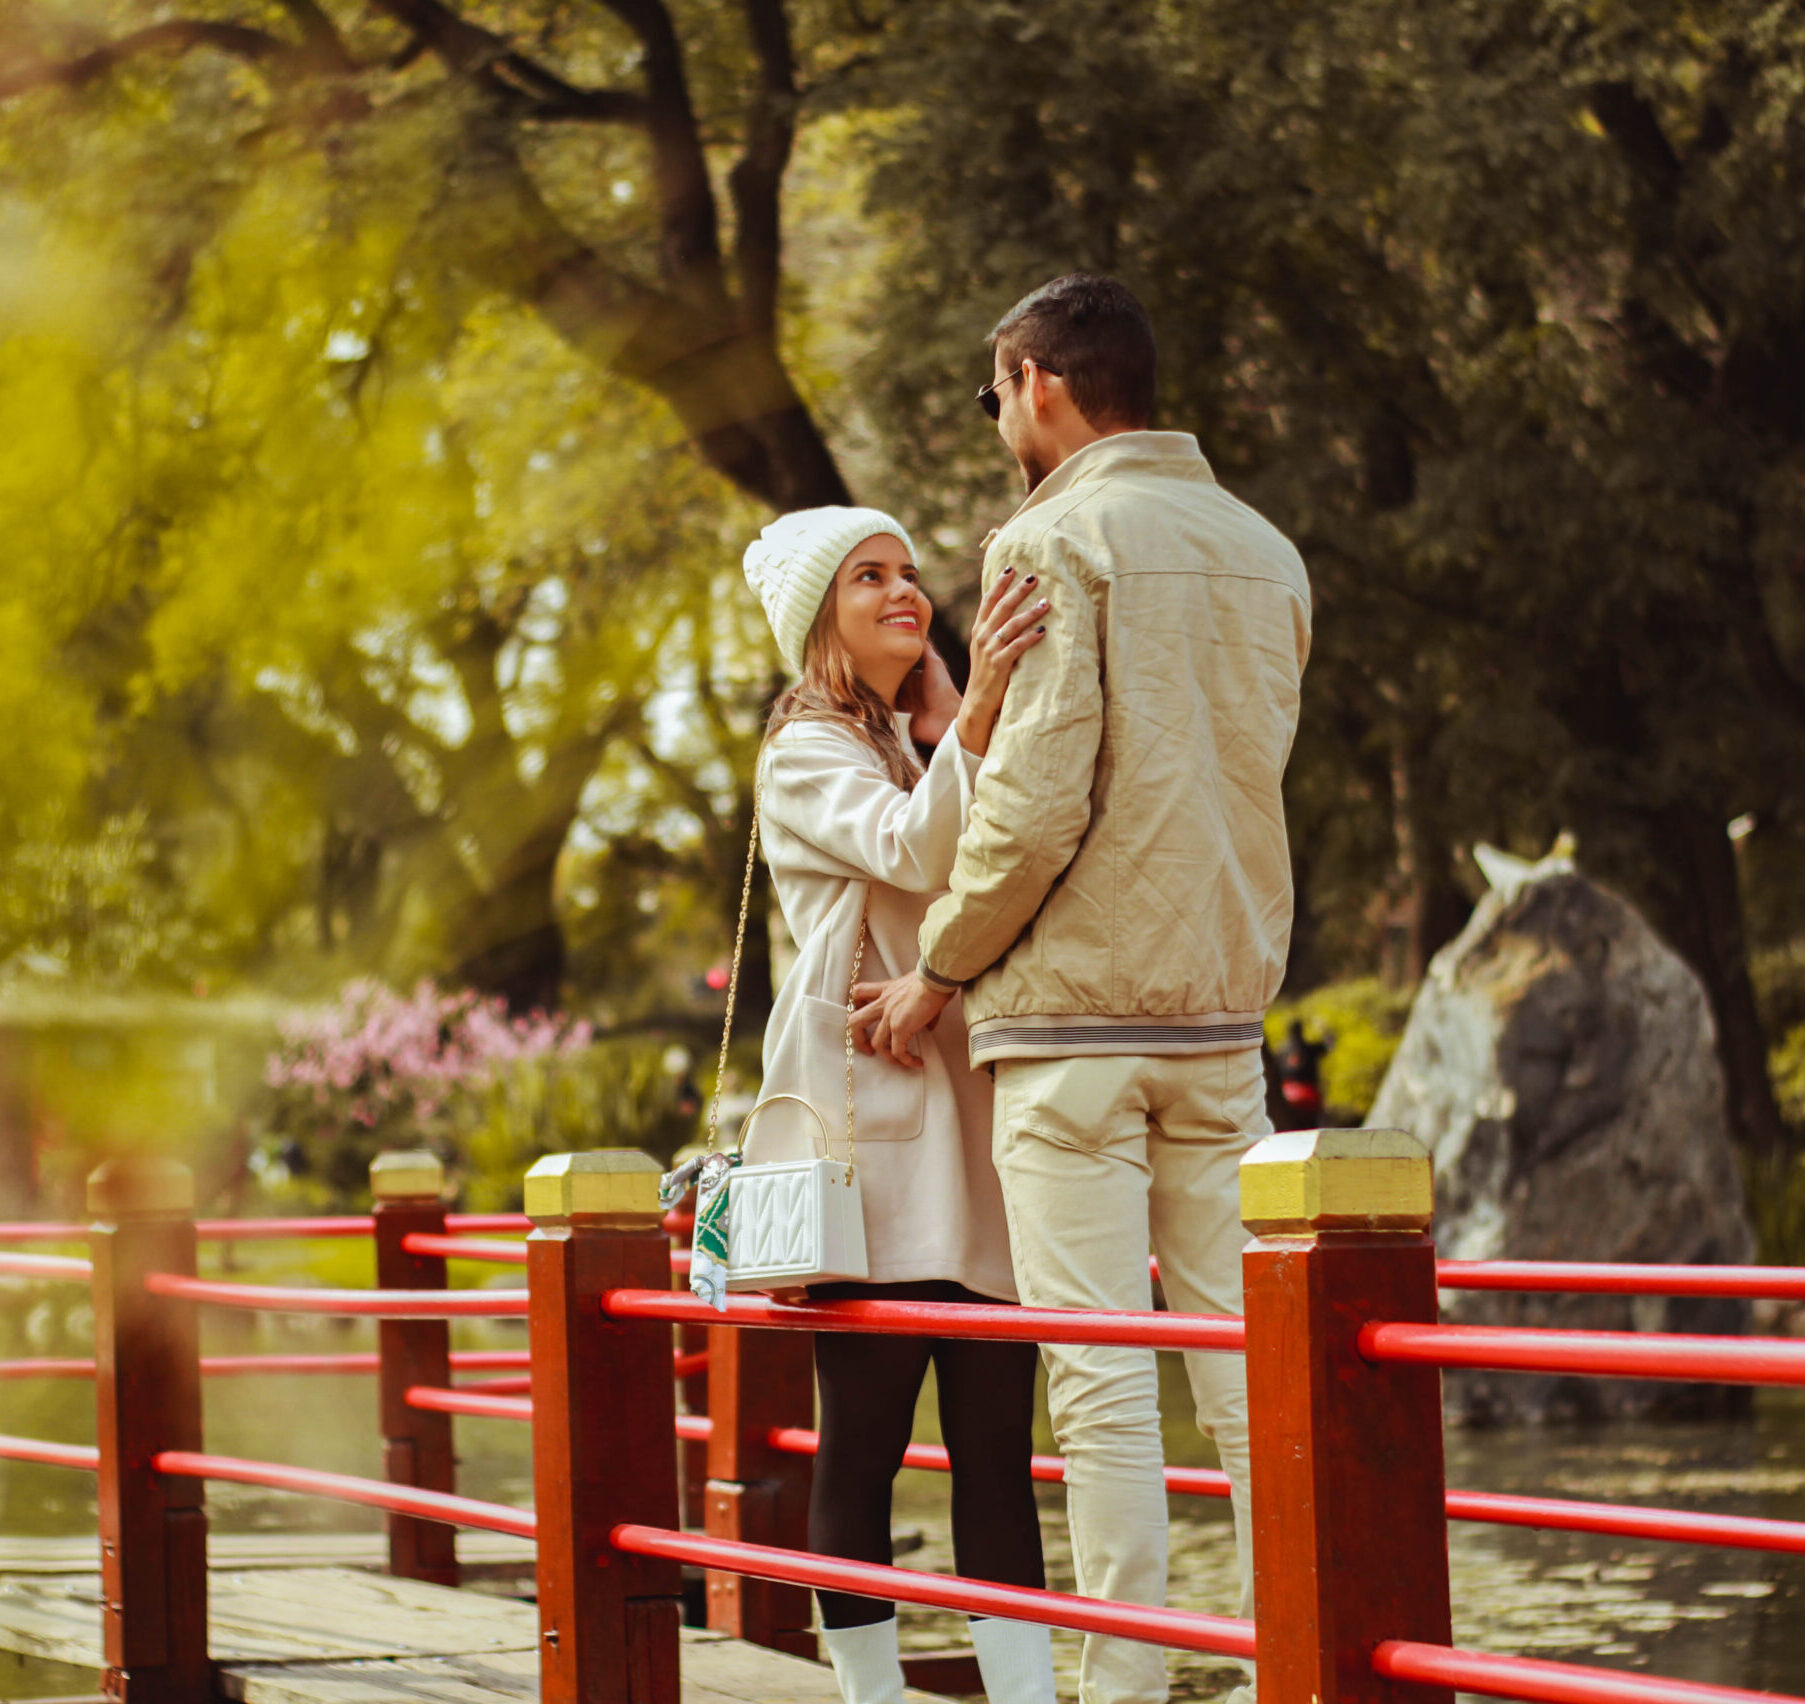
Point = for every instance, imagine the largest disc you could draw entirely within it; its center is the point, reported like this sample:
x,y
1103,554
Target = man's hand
x,y
889,1015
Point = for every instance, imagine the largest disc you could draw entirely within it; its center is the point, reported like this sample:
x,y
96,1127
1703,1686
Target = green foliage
x,y
370,600
1363,1021
381,1070
336,563
1779,978
615,1094
1789,1076
330,597
1487,308
100,910
1775,1193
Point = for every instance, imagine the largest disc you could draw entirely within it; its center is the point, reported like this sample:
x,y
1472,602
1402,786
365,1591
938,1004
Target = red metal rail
x,y
1614,1278
942,1319
61,1268
1781,1283
82,1456
235,1366
1178,1629
480,1404
1620,1520
1545,1682
208,1230
521,1386
465,1248
302,1229
376,1304
495,1399
1595,1354
348,1488
1736,1532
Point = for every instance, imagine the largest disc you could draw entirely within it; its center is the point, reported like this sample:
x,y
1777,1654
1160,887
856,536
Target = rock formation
x,y
1560,1066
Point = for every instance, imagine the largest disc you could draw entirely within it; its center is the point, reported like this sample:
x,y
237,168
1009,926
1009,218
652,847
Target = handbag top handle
x,y
733,987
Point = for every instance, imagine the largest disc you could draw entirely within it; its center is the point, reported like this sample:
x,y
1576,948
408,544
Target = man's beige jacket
x,y
1124,883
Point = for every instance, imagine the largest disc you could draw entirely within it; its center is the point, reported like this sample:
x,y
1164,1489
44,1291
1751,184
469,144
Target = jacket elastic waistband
x,y
1059,1035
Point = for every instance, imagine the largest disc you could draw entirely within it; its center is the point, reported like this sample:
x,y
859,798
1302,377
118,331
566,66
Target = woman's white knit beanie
x,y
793,561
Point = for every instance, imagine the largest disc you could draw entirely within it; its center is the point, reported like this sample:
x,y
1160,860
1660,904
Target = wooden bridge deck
x,y
344,1635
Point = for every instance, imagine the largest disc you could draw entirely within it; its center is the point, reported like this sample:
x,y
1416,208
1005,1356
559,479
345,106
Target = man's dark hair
x,y
1096,336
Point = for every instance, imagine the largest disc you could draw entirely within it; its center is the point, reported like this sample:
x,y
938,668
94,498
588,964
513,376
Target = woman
x,y
855,826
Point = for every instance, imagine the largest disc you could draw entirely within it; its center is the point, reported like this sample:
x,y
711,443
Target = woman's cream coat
x,y
839,837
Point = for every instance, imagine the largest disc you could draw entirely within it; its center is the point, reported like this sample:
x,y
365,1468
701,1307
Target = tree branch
x,y
1632,124
320,35
1739,586
554,99
757,179
690,220
178,35
690,794
478,53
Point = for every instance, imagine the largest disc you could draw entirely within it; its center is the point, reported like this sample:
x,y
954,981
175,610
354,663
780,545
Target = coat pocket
x,y
889,1100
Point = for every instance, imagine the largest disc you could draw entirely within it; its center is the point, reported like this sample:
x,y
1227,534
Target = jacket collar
x,y
1121,452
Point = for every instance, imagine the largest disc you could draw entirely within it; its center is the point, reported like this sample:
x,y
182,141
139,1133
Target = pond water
x,y
1691,1612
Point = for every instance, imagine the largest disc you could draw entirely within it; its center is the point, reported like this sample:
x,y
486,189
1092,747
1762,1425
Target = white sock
x,y
1015,1659
866,1662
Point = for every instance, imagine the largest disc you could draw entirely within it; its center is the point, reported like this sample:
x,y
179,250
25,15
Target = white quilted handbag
x,y
790,1222
794,1221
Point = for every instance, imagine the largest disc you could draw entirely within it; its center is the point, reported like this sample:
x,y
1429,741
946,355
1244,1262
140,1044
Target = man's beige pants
x,y
1100,1155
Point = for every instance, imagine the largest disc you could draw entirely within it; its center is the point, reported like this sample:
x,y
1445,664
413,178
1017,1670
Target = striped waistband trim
x,y
1222,1032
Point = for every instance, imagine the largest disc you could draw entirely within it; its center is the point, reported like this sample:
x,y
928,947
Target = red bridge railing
x,y
1344,1357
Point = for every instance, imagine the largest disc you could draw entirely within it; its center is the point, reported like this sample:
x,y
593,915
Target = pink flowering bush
x,y
430,1068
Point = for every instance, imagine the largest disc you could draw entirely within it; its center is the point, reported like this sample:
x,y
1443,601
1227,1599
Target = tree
x,y
1489,310
352,694
658,298
317,395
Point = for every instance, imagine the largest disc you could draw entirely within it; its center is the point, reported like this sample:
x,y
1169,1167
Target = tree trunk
x,y
1431,909
1704,920
512,941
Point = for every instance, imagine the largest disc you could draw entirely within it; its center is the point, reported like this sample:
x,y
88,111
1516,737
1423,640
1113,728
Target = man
x,y
1121,908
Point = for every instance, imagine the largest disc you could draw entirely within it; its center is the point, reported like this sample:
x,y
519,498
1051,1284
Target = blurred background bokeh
x,y
388,388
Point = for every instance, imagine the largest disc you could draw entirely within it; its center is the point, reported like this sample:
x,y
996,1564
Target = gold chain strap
x,y
733,986
733,980
858,958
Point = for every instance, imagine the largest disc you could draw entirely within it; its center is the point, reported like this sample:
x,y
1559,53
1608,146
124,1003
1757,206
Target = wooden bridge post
x,y
604,1431
759,1380
153,1530
1350,1532
417,1451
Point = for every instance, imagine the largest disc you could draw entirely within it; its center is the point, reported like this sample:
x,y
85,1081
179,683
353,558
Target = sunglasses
x,y
991,402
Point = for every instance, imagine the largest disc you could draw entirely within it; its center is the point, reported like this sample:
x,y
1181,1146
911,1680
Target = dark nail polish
x,y
1031,579
1007,572
1040,630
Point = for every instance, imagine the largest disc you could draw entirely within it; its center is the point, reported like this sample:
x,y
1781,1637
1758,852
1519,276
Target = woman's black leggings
x,y
868,1389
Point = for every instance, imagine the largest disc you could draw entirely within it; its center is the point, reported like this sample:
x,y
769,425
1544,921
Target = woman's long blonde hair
x,y
831,691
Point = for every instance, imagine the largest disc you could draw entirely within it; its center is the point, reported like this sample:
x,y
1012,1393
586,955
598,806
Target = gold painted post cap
x,y
417,1174
141,1186
1304,1181
613,1186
